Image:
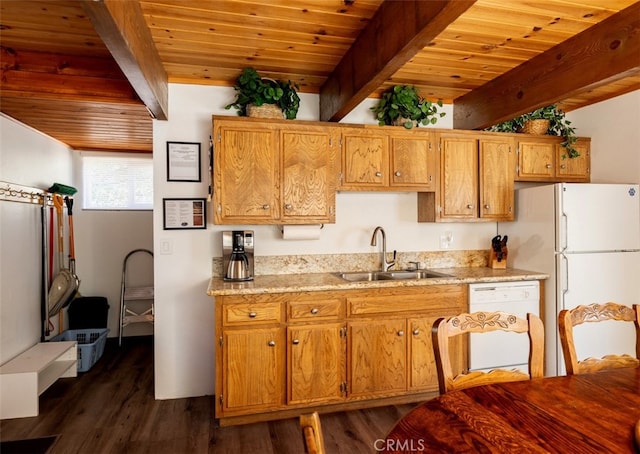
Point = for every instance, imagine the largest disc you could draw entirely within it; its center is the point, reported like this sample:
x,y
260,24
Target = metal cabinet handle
x,y
314,311
266,206
295,341
470,206
401,333
416,332
252,314
272,343
288,206
398,173
486,207
548,166
378,174
563,166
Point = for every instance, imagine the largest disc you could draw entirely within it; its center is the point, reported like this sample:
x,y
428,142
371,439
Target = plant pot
x,y
400,121
537,127
264,111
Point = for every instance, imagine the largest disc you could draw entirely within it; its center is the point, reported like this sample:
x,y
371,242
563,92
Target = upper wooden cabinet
x,y
387,159
544,159
476,180
271,172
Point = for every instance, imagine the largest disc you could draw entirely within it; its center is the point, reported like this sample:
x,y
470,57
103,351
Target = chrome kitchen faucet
x,y
385,265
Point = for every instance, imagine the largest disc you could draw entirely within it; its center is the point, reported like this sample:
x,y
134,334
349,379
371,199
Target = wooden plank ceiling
x,y
89,73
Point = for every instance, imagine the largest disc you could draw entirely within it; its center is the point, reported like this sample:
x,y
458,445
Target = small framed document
x,y
183,161
184,214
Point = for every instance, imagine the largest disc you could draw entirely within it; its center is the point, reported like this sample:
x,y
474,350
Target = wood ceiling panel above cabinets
x,y
474,54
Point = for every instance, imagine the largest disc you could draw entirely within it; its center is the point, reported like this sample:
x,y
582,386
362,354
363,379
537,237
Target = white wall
x,y
184,344
31,159
614,128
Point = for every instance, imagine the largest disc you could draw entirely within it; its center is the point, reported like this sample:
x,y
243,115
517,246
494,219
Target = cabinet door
x,y
246,175
497,174
574,169
316,369
423,374
458,178
309,175
536,160
253,369
413,161
365,157
377,358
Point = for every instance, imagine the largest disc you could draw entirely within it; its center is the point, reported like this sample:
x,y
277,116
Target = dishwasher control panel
x,y
504,292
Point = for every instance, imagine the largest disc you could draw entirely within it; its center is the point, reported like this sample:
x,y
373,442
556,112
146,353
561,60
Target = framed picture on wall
x,y
180,214
183,161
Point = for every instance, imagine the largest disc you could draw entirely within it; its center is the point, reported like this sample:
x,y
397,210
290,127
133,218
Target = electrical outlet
x,y
446,239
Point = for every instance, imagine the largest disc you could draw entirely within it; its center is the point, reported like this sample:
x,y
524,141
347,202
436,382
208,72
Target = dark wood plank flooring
x,y
111,409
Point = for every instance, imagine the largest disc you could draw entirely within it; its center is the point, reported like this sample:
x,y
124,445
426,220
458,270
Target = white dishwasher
x,y
500,349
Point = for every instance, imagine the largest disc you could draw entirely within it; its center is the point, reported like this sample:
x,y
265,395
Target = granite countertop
x,y
313,282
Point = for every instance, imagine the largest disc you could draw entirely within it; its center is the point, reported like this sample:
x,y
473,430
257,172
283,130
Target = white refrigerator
x,y
587,238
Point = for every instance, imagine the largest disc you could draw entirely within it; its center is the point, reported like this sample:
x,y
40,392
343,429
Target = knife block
x,y
493,259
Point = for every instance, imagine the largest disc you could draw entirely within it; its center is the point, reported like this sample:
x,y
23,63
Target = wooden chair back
x,y
312,432
567,319
483,322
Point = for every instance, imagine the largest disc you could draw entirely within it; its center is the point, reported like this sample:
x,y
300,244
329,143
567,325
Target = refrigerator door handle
x,y
564,275
563,231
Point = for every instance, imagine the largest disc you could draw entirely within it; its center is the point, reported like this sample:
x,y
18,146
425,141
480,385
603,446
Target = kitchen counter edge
x,y
316,282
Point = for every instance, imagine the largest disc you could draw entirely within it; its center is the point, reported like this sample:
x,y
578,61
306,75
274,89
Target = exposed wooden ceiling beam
x,y
397,32
603,53
27,74
122,27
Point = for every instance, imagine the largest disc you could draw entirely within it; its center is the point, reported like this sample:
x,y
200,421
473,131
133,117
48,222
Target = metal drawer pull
x,y
486,207
398,174
314,311
470,206
295,341
401,333
288,206
252,314
272,343
265,206
378,174
416,332
548,166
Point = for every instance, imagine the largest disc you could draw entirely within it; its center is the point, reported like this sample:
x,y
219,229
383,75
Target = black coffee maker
x,y
237,255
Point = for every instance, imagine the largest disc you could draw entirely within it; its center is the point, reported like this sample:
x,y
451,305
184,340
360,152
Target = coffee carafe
x,y
237,255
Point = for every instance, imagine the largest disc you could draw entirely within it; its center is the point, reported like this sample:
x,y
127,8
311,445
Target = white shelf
x,y
29,374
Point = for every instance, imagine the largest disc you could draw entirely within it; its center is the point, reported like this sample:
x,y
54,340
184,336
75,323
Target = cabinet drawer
x,y
240,314
315,310
428,300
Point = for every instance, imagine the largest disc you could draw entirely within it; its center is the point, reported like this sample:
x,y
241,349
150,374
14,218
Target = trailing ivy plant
x,y
558,126
251,88
403,102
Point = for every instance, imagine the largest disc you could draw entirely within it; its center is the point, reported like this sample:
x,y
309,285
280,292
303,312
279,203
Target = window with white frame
x,y
117,181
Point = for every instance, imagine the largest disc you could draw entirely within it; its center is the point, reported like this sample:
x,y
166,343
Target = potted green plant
x,y
254,90
555,124
403,105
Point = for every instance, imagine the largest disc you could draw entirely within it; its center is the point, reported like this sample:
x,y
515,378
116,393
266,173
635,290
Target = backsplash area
x,y
333,263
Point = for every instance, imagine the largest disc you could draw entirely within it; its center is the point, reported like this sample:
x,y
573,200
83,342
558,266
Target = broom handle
x,y
57,202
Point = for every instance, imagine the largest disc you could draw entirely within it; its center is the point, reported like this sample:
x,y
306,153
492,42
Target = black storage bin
x,y
88,312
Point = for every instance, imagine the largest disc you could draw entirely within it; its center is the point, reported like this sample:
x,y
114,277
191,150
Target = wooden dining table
x,y
588,413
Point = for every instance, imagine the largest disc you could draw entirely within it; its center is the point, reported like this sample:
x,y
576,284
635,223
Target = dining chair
x,y
312,432
568,318
484,322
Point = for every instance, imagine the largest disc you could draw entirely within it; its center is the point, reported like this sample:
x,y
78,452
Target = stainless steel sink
x,y
362,276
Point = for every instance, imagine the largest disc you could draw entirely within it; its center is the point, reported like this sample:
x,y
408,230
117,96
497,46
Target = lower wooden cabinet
x,y
284,353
